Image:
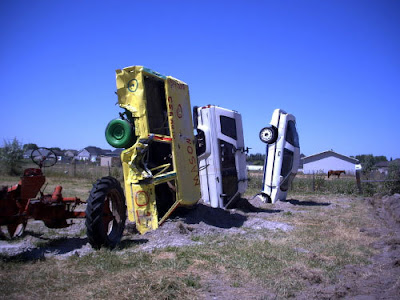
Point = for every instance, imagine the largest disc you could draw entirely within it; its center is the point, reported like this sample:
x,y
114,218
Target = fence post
x,y
313,181
74,168
358,179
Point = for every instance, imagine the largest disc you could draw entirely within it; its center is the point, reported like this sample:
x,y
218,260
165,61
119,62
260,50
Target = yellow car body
x,y
160,168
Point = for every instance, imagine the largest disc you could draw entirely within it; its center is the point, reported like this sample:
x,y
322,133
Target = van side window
x,y
228,127
291,134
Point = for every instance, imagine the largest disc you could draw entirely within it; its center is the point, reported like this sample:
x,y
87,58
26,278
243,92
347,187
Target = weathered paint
x,y
139,183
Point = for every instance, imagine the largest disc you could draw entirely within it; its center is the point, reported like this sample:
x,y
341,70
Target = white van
x,y
221,155
282,156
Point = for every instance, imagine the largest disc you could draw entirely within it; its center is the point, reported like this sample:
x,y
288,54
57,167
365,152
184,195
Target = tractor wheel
x,y
120,133
16,230
105,213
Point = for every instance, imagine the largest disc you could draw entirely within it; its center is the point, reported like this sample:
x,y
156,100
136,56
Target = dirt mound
x,y
181,229
185,225
392,207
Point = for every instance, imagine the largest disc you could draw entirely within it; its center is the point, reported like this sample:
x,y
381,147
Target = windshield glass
x,y
287,165
287,162
228,126
291,134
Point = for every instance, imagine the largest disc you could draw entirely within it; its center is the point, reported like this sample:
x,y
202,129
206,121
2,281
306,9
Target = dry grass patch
x,y
327,236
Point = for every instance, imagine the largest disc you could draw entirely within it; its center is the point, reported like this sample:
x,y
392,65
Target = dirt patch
x,y
381,278
182,229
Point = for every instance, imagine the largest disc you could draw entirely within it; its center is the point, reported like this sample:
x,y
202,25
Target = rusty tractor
x,y
26,200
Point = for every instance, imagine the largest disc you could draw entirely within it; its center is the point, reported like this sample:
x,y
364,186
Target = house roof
x,y
58,152
96,150
118,151
93,150
386,164
329,153
72,151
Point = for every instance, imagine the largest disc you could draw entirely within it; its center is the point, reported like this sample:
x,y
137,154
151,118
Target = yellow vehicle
x,y
159,161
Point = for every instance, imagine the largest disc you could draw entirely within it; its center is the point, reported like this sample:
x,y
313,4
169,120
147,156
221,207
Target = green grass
x,y
319,184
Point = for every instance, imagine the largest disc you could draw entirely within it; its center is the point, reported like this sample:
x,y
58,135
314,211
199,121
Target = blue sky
x,y
335,65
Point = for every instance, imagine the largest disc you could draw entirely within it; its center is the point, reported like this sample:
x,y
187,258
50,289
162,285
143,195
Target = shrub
x,y
393,186
11,156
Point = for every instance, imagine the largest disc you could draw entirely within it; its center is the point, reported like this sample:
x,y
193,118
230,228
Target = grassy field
x,y
260,263
320,184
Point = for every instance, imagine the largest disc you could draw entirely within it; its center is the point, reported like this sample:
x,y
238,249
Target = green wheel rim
x,y
119,134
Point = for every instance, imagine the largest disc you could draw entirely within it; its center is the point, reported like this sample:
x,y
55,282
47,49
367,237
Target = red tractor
x,y
26,200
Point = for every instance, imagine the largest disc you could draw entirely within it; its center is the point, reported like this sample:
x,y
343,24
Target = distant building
x,y
328,160
110,161
70,153
383,166
27,154
59,154
254,168
111,158
91,153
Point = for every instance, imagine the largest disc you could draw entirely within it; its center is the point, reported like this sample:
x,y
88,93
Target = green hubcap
x,y
118,132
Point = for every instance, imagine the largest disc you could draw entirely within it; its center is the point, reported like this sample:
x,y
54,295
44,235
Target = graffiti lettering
x,y
179,112
171,114
190,149
133,85
192,161
143,217
141,198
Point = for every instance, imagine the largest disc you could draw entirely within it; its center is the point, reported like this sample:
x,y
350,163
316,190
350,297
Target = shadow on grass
x,y
128,243
245,206
57,246
305,203
216,217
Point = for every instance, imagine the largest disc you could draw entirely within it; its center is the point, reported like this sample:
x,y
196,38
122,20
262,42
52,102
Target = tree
x,y
30,146
11,156
368,161
256,159
56,148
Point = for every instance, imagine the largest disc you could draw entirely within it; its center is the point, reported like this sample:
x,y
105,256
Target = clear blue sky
x,y
335,65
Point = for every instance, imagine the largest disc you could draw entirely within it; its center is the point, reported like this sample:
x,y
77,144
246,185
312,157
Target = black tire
x,y
105,213
269,134
264,198
16,230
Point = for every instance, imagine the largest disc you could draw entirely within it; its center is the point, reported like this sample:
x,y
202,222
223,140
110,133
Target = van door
x,y
221,153
232,155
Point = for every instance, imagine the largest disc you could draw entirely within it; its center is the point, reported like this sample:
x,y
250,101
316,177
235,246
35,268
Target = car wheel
x,y
263,198
269,134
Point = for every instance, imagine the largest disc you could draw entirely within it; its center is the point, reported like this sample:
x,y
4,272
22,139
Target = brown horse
x,y
332,172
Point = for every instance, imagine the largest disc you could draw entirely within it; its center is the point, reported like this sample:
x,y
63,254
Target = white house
x,y
328,160
91,153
